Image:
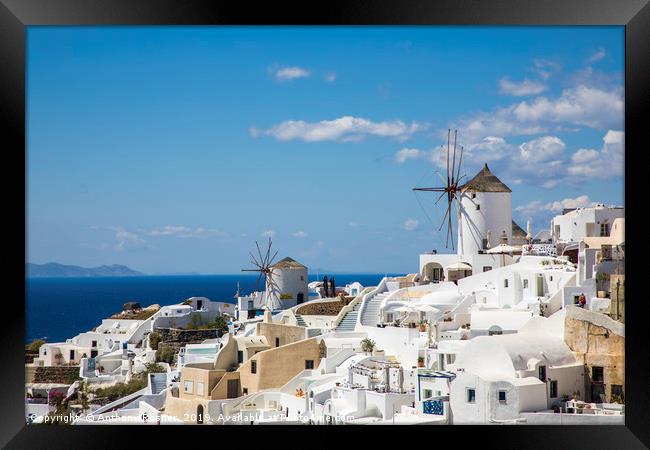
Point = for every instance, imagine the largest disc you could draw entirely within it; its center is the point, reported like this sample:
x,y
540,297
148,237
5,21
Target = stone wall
x,y
324,308
56,374
599,341
177,338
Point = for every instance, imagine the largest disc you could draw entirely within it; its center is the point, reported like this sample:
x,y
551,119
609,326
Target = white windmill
x,y
263,266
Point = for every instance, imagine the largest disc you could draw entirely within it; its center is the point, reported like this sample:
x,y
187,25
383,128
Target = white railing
x,y
369,296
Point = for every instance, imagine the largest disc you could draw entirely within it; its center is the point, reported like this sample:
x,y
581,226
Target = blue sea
x,y
60,308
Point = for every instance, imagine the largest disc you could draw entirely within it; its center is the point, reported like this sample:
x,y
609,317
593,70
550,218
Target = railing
x,y
350,306
369,296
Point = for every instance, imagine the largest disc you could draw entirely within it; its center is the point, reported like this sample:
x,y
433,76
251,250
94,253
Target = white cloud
x,y
300,234
537,208
330,76
346,128
354,224
407,153
268,233
289,73
411,224
597,56
545,68
588,106
522,88
186,232
608,162
542,149
127,240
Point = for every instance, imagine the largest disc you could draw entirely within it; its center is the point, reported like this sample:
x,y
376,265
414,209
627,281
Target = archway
x,y
199,414
301,297
432,272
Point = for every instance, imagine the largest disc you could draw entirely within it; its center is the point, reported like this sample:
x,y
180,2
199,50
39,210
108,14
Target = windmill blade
x,y
439,198
450,231
433,189
257,283
273,257
460,161
260,253
453,165
445,216
266,257
254,260
448,138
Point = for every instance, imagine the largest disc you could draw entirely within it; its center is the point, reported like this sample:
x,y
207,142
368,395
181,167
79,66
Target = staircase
x,y
349,321
370,316
158,383
301,321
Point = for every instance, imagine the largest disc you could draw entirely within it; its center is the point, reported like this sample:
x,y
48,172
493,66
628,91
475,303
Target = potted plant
x,y
367,345
423,326
420,361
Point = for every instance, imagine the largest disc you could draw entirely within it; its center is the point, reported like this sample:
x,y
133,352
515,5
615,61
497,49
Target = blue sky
x,y
172,149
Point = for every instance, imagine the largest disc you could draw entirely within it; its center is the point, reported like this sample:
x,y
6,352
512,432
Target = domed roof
x,y
288,263
446,297
485,181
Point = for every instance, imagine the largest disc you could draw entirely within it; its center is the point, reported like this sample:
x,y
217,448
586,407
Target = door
x,y
436,275
301,298
540,285
93,353
199,304
233,388
199,414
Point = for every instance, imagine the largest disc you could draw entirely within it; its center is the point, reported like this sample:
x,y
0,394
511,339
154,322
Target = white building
x,y
573,225
501,376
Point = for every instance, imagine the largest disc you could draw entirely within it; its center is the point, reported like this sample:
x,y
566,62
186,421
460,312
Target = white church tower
x,y
485,213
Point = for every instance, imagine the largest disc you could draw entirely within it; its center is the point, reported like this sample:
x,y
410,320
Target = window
x,y
502,396
253,366
309,364
188,387
617,390
250,304
451,358
485,244
553,389
550,278
244,391
597,374
525,284
93,344
277,341
302,278
389,317
471,395
199,388
542,373
71,355
473,195
428,393
478,207
604,229
487,268
505,283
240,356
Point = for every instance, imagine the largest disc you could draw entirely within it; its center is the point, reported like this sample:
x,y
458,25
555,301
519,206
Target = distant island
x,y
56,270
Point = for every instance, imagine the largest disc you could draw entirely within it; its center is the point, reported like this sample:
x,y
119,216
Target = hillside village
x,y
511,328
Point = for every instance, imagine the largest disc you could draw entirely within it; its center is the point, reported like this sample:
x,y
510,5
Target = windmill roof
x,y
517,231
485,181
288,263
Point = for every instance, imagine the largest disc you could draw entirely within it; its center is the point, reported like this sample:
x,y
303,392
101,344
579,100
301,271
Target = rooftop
x,y
288,263
485,181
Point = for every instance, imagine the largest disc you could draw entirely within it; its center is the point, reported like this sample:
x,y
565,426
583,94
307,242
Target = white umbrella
x,y
427,308
459,266
406,310
503,249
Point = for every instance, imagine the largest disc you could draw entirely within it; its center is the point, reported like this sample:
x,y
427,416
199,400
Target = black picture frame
x,y
16,15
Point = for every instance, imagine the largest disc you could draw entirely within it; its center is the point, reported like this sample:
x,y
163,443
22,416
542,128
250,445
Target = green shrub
x,y
154,368
165,354
367,345
35,345
120,390
154,340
